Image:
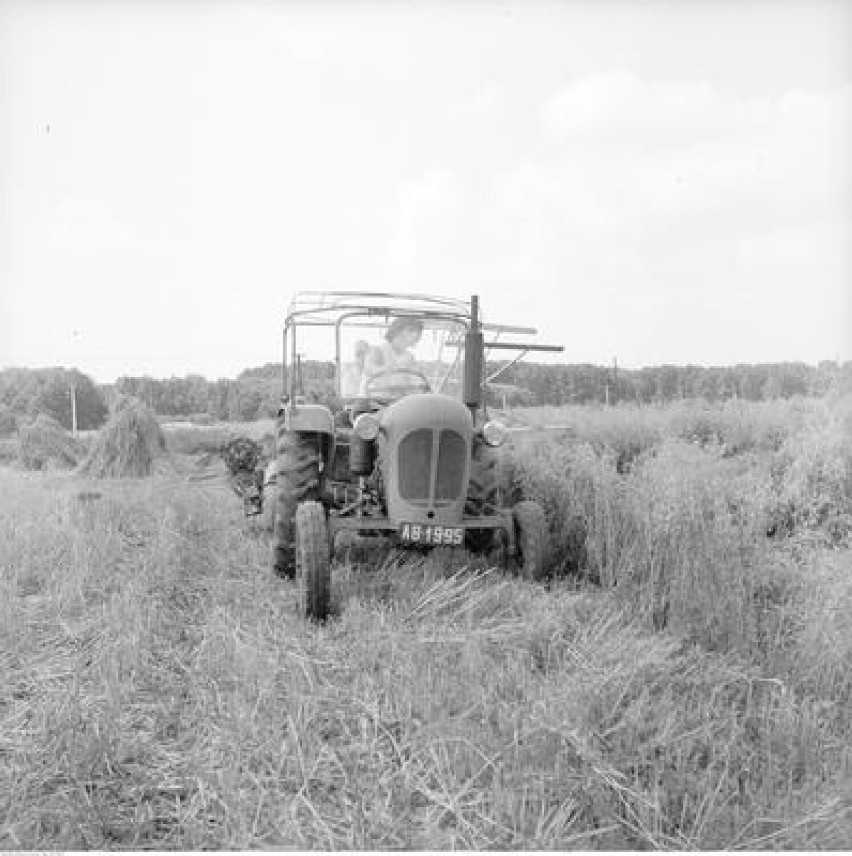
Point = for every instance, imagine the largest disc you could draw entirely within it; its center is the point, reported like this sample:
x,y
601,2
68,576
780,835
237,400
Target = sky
x,y
652,182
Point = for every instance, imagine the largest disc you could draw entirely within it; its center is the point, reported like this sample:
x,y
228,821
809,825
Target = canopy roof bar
x,y
328,317
509,328
321,308
334,300
526,346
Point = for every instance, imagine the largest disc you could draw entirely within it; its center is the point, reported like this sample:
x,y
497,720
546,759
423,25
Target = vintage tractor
x,y
403,452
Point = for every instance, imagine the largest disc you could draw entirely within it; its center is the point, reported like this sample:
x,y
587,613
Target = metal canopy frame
x,y
327,304
318,308
330,308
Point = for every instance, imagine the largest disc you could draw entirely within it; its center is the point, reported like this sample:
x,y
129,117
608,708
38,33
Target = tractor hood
x,y
424,454
432,410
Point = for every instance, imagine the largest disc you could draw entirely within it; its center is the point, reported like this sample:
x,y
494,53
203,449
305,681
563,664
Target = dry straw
x,y
45,444
131,444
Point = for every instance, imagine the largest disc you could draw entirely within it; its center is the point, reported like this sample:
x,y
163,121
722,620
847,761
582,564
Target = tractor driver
x,y
402,334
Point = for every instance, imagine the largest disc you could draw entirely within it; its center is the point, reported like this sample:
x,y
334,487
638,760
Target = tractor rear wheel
x,y
532,539
313,559
297,480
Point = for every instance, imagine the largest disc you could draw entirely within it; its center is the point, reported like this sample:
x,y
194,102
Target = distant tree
x,y
752,379
825,378
248,403
197,393
268,371
844,379
145,388
771,387
794,379
666,383
217,398
842,384
30,392
8,421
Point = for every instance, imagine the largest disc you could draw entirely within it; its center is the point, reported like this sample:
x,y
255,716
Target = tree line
x,y
256,392
25,393
539,384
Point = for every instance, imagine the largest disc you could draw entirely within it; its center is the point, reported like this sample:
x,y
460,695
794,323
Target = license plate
x,y
418,533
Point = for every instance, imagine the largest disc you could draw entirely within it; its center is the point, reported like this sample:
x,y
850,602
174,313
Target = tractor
x,y
402,452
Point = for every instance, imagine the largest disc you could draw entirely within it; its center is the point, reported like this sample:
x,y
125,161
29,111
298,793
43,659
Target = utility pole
x,y
75,335
611,382
615,379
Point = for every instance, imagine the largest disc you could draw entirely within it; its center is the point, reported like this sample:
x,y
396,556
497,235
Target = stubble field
x,y
683,681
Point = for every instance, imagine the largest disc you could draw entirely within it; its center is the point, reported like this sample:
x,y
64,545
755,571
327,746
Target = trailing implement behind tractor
x,y
405,452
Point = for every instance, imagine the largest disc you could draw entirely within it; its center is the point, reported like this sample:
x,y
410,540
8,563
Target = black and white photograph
x,y
425,425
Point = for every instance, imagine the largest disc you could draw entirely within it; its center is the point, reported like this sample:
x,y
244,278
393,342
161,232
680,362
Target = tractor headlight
x,y
366,427
494,433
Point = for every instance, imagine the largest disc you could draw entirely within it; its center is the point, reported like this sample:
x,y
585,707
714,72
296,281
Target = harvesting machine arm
x,y
476,348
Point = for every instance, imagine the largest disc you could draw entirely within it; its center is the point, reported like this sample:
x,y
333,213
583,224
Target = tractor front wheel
x,y
489,491
297,480
313,559
532,539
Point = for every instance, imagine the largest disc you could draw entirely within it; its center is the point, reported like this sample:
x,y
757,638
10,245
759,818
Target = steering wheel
x,y
396,390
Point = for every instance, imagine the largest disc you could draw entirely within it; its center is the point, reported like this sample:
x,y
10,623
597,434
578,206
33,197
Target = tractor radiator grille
x,y
415,467
451,459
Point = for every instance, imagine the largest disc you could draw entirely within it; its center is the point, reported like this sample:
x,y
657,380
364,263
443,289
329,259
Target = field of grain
x,y
683,681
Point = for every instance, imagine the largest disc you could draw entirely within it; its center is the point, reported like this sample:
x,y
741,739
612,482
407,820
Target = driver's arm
x,y
374,362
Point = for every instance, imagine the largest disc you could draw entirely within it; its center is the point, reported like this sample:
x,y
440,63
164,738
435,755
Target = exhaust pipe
x,y
473,356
